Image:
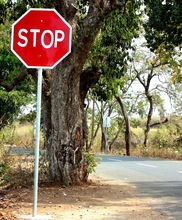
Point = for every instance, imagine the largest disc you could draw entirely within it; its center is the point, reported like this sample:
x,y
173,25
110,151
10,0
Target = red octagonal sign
x,y
41,38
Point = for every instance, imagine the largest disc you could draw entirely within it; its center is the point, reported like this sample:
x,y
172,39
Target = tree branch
x,y
88,79
139,77
67,9
159,123
23,74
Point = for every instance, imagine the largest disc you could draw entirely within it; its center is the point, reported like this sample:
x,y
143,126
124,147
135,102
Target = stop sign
x,y
41,38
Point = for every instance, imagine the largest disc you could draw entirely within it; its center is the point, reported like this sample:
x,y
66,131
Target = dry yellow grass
x,y
21,135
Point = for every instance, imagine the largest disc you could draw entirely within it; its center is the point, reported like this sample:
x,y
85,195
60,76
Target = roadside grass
x,y
15,165
21,135
164,142
165,153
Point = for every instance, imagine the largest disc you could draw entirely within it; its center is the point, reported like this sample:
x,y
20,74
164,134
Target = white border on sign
x,y
41,9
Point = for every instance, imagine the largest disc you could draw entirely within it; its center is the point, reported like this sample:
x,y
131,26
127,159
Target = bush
x,y
91,162
19,161
5,165
22,166
160,138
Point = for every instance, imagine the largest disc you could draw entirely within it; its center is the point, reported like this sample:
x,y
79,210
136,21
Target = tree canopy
x,y
11,101
164,23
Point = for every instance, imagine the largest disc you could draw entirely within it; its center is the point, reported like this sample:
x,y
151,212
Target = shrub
x,y
5,165
22,166
91,162
17,161
159,137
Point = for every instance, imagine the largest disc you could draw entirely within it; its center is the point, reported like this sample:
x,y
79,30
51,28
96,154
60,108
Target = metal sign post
x,y
106,125
41,38
37,143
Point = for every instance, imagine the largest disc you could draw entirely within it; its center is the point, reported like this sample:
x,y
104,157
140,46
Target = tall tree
x,y
148,72
164,30
127,125
65,87
111,55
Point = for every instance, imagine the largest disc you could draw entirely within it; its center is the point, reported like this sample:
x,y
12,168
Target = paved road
x,y
21,151
160,180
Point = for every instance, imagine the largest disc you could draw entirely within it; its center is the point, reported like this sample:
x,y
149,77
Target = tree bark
x,y
63,111
67,128
127,124
146,84
103,135
149,118
93,124
115,138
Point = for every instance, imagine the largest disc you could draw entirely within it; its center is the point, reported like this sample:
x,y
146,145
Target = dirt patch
x,y
98,200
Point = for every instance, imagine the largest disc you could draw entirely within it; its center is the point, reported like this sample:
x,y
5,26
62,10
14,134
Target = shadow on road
x,y
164,196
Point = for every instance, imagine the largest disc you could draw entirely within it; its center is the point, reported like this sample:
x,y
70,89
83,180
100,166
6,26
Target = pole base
x,y
37,217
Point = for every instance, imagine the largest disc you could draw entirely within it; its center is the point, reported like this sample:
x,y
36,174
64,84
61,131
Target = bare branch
x,y
157,124
88,79
67,9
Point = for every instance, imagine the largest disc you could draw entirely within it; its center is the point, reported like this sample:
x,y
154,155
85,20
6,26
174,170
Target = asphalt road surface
x,y
159,180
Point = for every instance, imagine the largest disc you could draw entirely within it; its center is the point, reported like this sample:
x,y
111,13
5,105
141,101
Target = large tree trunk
x,y
93,125
65,88
47,125
65,128
67,131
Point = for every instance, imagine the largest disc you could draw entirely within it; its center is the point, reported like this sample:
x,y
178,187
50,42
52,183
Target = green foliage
x,y
8,62
82,10
4,8
165,141
30,117
5,164
171,59
164,23
158,103
114,126
22,166
10,105
11,102
104,90
160,137
19,161
12,10
141,108
135,122
176,94
167,135
110,51
6,159
163,33
91,162
180,150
